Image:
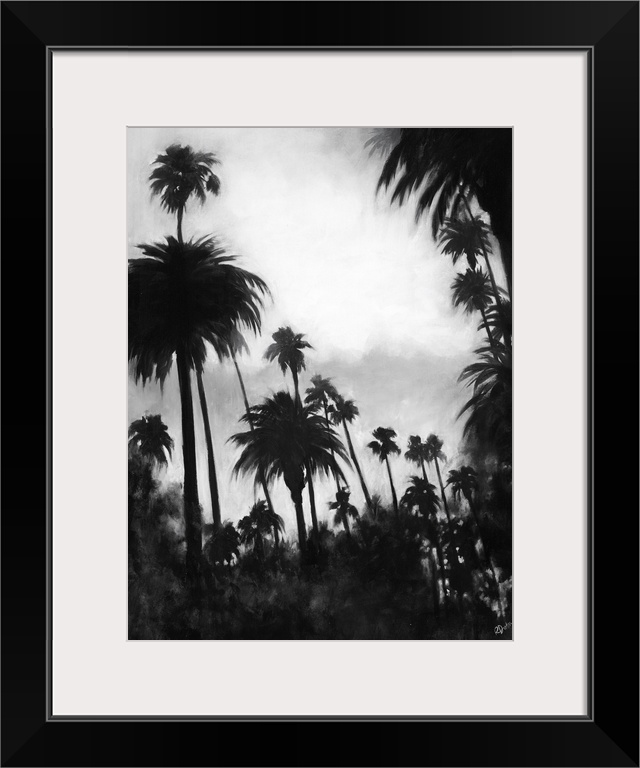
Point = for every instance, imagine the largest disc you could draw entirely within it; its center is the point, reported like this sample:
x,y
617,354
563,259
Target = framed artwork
x,y
326,319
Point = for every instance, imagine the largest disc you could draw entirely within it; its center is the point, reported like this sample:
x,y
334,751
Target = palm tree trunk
x,y
192,513
486,327
345,521
443,579
261,476
294,374
326,419
356,465
435,594
312,499
446,509
213,479
180,215
302,533
424,471
393,490
487,552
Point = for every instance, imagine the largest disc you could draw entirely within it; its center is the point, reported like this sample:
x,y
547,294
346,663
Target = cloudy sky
x,y
364,283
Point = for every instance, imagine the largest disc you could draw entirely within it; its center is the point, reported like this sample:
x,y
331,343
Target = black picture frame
x,y
608,735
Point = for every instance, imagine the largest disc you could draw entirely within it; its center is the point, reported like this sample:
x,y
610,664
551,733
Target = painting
x,y
319,431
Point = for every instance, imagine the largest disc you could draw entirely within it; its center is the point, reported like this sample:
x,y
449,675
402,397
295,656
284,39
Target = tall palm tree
x,y
490,407
464,481
344,412
181,172
421,495
383,446
287,350
286,439
322,391
435,455
237,346
416,453
183,296
472,290
150,436
344,510
443,164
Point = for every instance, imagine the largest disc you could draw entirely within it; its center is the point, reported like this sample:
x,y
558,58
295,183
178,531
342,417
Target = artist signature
x,y
498,630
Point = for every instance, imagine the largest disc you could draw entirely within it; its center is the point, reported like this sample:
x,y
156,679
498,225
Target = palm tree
x,y
150,436
285,440
416,453
435,455
490,407
382,140
321,391
287,350
470,237
464,481
223,544
237,346
382,447
421,495
181,172
344,510
183,296
445,164
344,412
472,290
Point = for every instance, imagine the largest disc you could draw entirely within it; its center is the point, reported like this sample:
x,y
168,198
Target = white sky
x,y
360,278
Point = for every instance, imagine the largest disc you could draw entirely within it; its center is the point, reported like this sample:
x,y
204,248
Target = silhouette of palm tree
x,y
443,165
472,290
421,495
286,439
344,510
344,412
464,481
321,392
287,350
383,446
183,296
181,172
150,436
490,407
417,453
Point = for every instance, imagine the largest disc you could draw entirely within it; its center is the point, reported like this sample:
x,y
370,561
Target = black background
x,y
611,738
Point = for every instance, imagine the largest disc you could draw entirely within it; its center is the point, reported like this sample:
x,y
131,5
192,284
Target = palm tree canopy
x,y
223,544
181,172
185,295
150,436
465,237
287,350
382,140
384,444
343,410
463,481
342,506
416,451
490,407
421,494
260,520
472,290
434,448
284,440
444,162
321,391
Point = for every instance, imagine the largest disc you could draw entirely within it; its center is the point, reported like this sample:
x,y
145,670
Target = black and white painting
x,y
319,383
